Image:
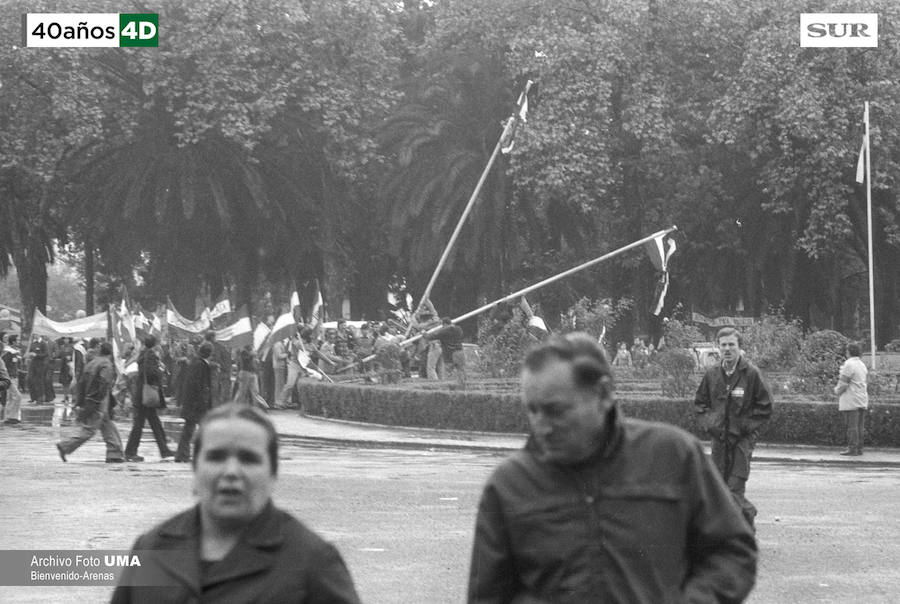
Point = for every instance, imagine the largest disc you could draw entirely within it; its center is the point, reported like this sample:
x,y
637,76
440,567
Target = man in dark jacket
x,y
734,404
197,398
599,508
95,402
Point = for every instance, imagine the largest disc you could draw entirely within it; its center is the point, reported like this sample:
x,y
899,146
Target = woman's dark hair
x,y
236,410
853,349
583,353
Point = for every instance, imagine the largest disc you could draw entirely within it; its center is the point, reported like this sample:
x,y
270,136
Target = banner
x,y
94,326
181,324
723,321
222,307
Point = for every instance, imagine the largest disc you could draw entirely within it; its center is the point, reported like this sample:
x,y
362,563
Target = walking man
x,y
734,404
601,508
95,402
197,398
853,398
10,361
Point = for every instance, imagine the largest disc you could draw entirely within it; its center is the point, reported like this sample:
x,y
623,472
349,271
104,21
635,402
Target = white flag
x,y
861,162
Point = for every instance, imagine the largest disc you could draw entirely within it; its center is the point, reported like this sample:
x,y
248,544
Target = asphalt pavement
x,y
291,424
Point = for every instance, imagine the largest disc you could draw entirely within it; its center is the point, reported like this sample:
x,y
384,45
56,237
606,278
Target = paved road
x,y
403,517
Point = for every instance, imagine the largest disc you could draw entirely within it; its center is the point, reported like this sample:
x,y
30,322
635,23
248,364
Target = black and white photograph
x,y
449,301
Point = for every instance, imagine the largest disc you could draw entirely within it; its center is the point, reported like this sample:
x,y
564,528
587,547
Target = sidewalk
x,y
293,426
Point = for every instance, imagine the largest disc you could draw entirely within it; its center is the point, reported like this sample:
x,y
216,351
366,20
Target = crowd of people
x,y
676,519
589,486
197,373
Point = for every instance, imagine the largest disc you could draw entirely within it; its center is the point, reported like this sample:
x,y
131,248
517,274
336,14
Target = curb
x,y
394,444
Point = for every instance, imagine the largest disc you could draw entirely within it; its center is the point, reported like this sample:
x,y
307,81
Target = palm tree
x,y
439,142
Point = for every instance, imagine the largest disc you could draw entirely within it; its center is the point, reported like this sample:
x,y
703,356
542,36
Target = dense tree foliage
x,y
283,141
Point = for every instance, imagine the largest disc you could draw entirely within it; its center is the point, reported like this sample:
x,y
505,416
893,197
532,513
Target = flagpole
x,y
471,203
531,288
869,220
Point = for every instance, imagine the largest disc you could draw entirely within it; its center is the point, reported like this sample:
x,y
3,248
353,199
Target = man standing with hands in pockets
x,y
734,404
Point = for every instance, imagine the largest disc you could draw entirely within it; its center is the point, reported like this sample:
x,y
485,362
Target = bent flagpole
x,y
530,288
504,141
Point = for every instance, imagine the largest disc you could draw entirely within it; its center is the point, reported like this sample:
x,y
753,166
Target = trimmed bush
x,y
820,360
807,423
774,342
677,368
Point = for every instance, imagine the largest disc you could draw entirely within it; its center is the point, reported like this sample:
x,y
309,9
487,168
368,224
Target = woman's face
x,y
233,474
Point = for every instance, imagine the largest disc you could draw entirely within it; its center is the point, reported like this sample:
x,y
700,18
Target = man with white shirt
x,y
853,398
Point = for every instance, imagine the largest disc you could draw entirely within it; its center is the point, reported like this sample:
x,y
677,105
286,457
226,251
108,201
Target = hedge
x,y
806,423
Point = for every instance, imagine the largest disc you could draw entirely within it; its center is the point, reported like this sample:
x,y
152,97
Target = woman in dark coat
x,y
235,546
150,370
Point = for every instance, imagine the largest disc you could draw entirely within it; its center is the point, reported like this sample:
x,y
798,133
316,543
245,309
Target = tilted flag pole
x,y
869,225
528,289
504,143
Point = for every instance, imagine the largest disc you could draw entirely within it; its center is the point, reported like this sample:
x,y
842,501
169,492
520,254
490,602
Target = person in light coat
x,y
853,398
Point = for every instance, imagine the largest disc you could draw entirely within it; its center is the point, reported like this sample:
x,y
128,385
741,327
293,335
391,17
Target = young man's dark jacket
x,y
723,412
94,385
645,519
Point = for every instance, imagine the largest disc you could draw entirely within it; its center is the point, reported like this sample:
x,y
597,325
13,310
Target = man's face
x,y
233,474
566,420
729,348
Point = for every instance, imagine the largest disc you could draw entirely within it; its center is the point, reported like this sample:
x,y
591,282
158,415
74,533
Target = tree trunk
x,y
32,275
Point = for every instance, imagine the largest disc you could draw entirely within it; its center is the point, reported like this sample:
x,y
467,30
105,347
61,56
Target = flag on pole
x,y
284,327
126,322
259,335
315,316
141,323
659,257
861,162
508,138
236,335
537,328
